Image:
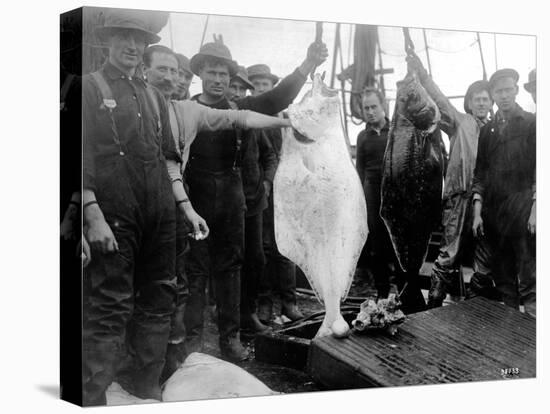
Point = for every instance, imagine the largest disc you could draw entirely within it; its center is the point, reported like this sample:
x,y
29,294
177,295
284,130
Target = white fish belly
x,y
320,214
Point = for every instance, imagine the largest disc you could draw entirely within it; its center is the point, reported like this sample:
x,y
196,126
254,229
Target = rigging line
x,y
400,54
204,30
427,52
349,43
454,51
481,55
495,46
334,56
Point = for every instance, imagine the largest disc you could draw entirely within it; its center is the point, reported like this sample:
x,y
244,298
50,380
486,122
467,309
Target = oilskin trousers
x,y
456,230
130,294
219,199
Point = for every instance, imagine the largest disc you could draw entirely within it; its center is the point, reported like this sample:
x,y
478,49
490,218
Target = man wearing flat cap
x,y
215,189
279,274
129,214
463,131
504,193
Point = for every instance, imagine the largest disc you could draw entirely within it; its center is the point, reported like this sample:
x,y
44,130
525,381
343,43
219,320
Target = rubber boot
x,y
291,311
250,322
265,309
98,372
437,293
228,299
175,355
194,314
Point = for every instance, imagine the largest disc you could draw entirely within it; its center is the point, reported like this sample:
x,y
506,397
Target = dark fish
x,y
413,174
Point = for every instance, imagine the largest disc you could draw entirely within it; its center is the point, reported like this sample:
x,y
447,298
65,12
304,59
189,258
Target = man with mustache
x,y
504,193
187,118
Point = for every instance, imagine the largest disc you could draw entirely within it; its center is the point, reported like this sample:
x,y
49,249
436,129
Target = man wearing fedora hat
x,y
215,184
239,85
129,159
463,131
504,193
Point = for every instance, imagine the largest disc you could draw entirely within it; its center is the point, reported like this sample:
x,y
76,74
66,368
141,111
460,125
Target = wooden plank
x,y
469,341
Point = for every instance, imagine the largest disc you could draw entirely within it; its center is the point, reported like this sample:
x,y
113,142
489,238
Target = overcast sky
x,y
454,56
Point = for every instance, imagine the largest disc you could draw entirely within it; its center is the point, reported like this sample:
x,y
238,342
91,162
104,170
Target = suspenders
x,y
110,103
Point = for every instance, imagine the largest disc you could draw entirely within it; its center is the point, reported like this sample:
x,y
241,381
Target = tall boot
x,y
287,287
98,371
228,299
411,298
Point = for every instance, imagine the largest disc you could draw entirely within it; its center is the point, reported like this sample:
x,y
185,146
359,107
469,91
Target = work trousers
x,y
279,275
130,293
219,199
381,253
512,261
254,262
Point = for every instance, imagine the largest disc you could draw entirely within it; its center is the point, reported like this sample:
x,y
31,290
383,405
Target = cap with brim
x,y
183,63
148,23
477,86
213,50
531,85
243,75
503,73
263,71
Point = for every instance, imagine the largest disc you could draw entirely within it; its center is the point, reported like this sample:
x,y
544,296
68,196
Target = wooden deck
x,y
472,340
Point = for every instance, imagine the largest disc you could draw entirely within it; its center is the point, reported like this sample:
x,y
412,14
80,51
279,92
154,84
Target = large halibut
x,y
413,174
320,208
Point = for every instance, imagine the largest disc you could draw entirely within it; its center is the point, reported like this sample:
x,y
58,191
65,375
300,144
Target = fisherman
x,y
216,191
371,145
259,163
186,119
504,193
185,77
463,132
129,213
279,273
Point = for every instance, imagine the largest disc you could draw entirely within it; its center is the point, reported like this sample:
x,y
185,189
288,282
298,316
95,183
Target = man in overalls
x,y
129,214
216,191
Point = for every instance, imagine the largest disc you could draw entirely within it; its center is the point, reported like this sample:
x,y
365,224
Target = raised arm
x,y
285,92
449,114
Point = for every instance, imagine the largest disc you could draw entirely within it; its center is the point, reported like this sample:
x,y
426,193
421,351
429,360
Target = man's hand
x,y
531,223
477,226
415,64
317,53
200,228
267,187
97,231
83,250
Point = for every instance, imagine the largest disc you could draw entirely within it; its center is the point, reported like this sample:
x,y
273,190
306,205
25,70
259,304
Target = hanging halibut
x,y
413,174
320,209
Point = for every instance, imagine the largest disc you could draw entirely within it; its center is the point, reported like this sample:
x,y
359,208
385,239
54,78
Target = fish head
x,y
317,113
415,104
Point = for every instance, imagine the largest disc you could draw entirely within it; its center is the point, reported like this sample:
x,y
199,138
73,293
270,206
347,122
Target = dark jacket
x,y
505,171
258,164
370,151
